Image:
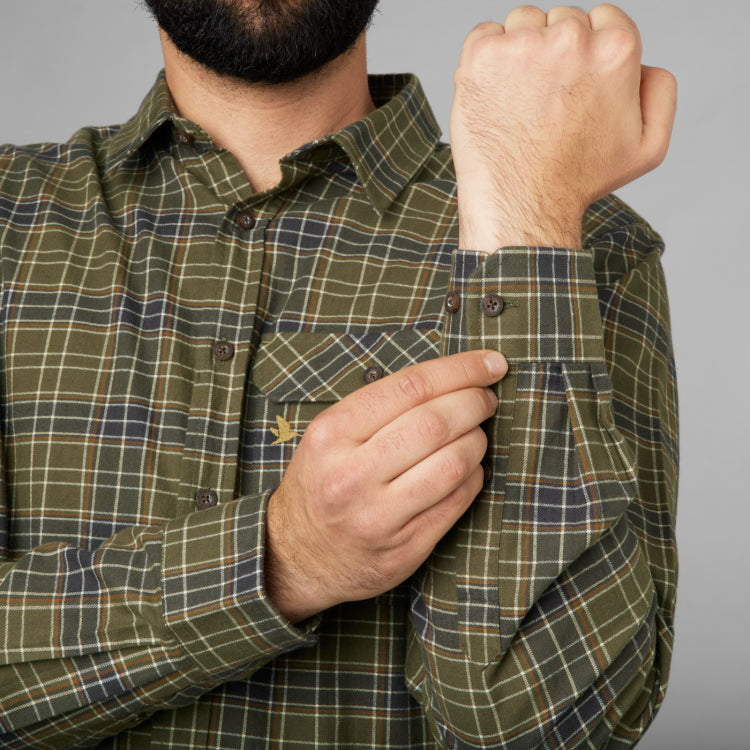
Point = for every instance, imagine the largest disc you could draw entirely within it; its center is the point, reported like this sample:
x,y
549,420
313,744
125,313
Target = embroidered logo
x,y
284,433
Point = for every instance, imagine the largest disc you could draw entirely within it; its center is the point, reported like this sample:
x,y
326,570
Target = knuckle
x,y
485,49
454,467
367,530
428,485
571,29
621,44
402,539
432,427
526,41
391,443
459,500
321,431
340,487
414,386
480,43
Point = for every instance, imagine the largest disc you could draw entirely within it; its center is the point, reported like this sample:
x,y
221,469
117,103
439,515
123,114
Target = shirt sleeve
x,y
95,641
544,619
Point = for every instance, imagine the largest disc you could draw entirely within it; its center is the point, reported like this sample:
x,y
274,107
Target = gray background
x,y
78,62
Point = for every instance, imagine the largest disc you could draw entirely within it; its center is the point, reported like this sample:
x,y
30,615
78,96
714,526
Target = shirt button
x,y
492,305
244,220
206,499
223,350
184,138
372,374
452,301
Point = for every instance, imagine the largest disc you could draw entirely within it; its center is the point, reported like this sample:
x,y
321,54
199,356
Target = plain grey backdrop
x,y
77,62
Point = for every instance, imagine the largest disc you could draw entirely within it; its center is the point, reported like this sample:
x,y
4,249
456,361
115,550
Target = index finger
x,y
377,404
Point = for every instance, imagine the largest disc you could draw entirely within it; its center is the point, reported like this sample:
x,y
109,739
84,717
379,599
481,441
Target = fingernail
x,y
496,364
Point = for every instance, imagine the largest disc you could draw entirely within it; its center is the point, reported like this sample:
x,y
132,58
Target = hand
x,y
551,112
376,482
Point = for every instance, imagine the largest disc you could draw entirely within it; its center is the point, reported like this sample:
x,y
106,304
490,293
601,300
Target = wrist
x,y
487,231
286,585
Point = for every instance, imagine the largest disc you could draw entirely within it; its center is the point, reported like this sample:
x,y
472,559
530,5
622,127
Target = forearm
x,y
153,618
548,597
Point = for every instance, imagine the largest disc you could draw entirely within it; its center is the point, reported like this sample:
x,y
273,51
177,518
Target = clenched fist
x,y
551,112
376,482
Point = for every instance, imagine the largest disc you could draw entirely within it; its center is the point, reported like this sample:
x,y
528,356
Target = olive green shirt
x,y
167,335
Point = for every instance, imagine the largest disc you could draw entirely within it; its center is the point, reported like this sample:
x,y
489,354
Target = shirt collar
x,y
386,148
389,146
156,109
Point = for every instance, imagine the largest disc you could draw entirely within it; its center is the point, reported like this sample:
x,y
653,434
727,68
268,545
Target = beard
x,y
263,41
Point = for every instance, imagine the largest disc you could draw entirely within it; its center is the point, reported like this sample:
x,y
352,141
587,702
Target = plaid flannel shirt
x,y
167,335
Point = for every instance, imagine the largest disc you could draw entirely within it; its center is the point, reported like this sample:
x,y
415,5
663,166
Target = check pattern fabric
x,y
132,617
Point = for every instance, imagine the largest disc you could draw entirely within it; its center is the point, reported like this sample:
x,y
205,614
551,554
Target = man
x,y
247,503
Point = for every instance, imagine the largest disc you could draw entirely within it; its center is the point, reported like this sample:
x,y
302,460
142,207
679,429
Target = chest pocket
x,y
312,370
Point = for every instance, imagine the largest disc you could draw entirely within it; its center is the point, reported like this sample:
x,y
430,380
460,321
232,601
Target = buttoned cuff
x,y
538,303
214,594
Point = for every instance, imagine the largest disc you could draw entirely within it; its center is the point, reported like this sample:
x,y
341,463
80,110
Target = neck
x,y
260,124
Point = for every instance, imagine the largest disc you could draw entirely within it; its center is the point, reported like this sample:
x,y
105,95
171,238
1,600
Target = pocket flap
x,y
325,367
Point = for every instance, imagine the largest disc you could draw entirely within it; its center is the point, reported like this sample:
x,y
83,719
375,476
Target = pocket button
x,y
206,499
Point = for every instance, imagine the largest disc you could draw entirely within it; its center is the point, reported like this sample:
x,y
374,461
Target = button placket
x,y
231,248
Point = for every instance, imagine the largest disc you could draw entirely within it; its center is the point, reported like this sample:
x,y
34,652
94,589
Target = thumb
x,y
658,107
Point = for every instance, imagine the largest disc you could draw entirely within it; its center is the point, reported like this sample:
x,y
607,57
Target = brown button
x,y
244,220
492,305
223,350
184,138
206,499
372,374
452,301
